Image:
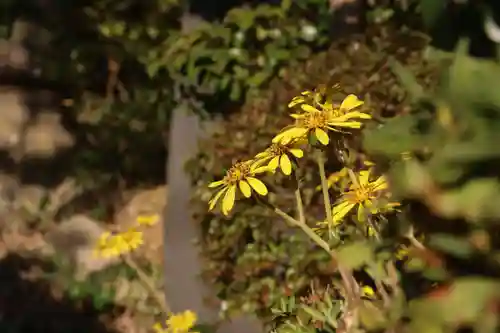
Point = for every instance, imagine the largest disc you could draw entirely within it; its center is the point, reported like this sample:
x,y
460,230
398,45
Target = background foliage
x,y
124,66
253,256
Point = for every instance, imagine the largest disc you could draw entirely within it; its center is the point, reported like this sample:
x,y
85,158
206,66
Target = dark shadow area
x,y
109,151
31,307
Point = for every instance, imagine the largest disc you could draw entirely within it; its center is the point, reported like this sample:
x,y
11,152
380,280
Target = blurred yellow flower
x,y
113,245
362,196
133,238
316,122
402,252
178,323
148,220
279,156
240,176
367,291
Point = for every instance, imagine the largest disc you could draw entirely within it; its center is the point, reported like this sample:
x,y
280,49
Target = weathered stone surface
x,y
184,287
75,238
13,116
46,136
148,202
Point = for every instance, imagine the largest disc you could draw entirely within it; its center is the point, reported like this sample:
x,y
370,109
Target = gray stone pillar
x,y
183,286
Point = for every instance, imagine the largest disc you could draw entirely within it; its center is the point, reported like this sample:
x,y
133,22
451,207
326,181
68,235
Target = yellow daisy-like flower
x,y
334,178
316,123
178,323
240,176
321,97
362,196
279,156
114,245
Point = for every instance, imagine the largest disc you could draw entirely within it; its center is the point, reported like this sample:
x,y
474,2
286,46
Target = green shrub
x,y
253,258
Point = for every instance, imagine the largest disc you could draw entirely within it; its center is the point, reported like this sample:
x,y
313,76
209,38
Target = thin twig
x,y
410,235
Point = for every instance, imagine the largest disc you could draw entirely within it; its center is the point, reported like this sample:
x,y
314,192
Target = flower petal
x,y
364,177
349,124
228,200
351,102
257,185
261,169
213,201
296,100
216,184
322,136
290,134
285,164
309,108
245,188
297,152
262,155
273,164
379,184
340,210
361,214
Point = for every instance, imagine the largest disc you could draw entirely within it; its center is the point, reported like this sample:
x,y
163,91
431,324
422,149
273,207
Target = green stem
x,y
148,284
324,188
350,284
307,230
300,204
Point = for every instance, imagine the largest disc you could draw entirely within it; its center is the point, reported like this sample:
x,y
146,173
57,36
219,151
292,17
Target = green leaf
x,y
235,91
407,79
258,78
456,246
315,314
414,265
302,52
376,269
472,82
371,316
431,10
242,17
355,255
465,302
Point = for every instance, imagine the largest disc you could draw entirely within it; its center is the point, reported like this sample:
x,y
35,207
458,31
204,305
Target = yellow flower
x,y
367,292
108,245
178,323
321,97
315,123
335,178
402,252
133,239
278,155
240,176
148,220
361,195
113,245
